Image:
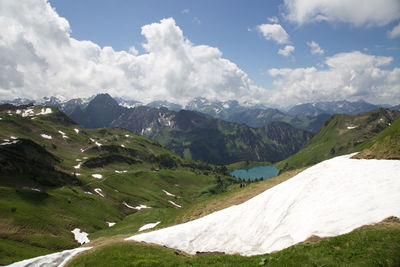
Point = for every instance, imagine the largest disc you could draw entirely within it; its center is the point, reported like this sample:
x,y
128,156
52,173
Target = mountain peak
x,y
104,99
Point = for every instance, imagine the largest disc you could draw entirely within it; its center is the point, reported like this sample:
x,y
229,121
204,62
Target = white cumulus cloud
x,y
395,32
286,51
274,32
315,48
273,19
355,12
39,58
350,76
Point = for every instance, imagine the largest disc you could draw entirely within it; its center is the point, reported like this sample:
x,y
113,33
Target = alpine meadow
x,y
199,133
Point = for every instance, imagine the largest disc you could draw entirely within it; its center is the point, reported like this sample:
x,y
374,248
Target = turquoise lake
x,y
252,173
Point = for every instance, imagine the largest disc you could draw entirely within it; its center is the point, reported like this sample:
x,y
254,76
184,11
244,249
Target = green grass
x,y
376,245
335,138
386,145
34,223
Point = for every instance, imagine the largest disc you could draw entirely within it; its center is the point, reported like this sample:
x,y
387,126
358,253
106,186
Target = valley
x,y
193,135
111,183
199,133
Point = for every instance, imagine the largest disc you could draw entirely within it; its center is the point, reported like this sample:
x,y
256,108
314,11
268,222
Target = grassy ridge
x,y
340,135
386,145
38,211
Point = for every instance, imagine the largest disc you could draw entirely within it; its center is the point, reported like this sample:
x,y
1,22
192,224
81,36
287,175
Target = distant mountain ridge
x,y
308,116
194,135
332,107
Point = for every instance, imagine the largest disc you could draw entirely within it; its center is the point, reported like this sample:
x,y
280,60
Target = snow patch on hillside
x,y
148,226
58,259
99,192
168,193
173,203
97,176
63,134
329,199
81,237
45,136
9,143
45,111
140,207
110,224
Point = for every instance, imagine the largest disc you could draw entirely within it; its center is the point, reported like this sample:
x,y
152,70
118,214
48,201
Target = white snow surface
x,y
110,224
99,191
79,166
97,176
173,203
81,237
76,130
168,193
45,111
9,143
63,134
148,226
351,127
331,198
45,136
140,207
58,259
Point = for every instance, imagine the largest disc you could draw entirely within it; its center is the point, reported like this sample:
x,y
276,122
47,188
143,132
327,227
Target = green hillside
x,y
340,135
386,145
47,187
374,245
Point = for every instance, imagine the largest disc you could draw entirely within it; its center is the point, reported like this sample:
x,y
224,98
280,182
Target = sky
x,y
277,53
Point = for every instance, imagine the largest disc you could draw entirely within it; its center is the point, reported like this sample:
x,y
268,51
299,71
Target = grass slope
x,y
386,145
374,245
47,188
340,135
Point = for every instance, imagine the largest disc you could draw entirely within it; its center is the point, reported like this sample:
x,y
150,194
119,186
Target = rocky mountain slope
x,y
194,135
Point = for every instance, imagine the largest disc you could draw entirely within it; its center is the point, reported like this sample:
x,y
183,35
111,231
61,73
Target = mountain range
x,y
307,116
194,135
57,176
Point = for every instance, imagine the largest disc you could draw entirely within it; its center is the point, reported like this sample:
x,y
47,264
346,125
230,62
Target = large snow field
x,y
58,259
329,199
